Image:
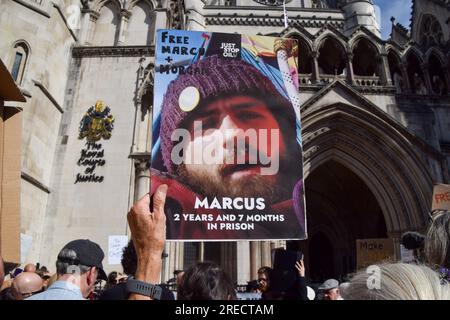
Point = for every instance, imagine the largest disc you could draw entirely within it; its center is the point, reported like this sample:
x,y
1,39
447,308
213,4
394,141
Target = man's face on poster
x,y
242,134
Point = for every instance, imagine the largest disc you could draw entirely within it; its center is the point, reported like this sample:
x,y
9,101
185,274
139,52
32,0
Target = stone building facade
x,y
375,118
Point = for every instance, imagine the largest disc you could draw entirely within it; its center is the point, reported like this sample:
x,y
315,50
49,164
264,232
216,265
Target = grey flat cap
x,y
329,284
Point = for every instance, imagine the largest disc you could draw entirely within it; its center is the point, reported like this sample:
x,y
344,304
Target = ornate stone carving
x,y
270,21
129,51
273,3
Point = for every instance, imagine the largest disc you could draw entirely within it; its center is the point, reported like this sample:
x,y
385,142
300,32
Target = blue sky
x,y
400,9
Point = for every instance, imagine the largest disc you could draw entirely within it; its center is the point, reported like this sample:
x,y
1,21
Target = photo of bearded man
x,y
227,133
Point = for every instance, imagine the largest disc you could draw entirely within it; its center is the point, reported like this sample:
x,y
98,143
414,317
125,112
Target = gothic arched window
x,y
19,57
304,57
437,76
415,74
365,59
396,72
430,31
107,25
319,4
332,57
141,25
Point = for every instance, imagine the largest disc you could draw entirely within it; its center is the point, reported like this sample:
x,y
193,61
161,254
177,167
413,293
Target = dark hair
x,y
112,276
265,270
43,269
129,259
206,281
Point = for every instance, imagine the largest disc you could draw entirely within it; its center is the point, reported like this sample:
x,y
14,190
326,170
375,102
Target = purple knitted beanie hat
x,y
214,77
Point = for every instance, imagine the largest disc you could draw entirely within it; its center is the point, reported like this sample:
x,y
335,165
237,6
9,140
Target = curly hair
x,y
206,281
437,241
129,259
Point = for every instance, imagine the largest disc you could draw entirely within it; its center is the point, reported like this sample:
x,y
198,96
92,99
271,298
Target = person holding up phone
x,y
287,279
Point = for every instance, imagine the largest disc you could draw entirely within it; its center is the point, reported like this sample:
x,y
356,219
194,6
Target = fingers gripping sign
x,y
148,231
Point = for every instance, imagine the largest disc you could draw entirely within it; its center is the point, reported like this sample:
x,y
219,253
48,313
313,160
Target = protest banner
x,y
441,197
373,251
227,136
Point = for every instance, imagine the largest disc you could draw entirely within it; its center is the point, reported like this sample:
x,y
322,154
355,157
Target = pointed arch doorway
x,y
340,209
364,178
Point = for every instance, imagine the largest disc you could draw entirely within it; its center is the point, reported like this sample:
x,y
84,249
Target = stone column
x,y
202,251
396,237
85,22
174,260
89,21
266,254
142,176
228,259
426,76
315,69
123,26
445,68
278,244
165,268
406,80
350,75
243,261
255,259
385,72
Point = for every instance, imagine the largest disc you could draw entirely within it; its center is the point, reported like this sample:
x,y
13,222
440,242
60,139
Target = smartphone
x,y
284,272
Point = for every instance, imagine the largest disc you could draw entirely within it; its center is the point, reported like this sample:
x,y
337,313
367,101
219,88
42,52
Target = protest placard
x,y
227,136
373,251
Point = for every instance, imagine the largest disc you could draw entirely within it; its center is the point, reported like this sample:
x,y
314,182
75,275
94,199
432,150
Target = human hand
x,y
299,265
148,229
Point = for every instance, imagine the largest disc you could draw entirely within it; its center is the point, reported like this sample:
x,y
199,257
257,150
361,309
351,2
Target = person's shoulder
x,y
39,296
118,292
167,294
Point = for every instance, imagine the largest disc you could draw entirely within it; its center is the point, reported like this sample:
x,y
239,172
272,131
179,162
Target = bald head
x,y
2,271
27,283
30,268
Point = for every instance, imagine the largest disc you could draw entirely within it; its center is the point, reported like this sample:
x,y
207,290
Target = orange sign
x,y
441,197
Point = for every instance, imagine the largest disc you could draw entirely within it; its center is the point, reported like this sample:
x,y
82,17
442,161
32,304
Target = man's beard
x,y
253,186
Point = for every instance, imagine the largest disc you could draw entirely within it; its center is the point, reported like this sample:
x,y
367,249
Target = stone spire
x,y
360,13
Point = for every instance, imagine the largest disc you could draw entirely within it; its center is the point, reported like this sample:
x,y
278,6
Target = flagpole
x,y
286,24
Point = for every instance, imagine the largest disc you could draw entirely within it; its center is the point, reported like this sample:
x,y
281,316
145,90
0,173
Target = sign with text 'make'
x,y
373,251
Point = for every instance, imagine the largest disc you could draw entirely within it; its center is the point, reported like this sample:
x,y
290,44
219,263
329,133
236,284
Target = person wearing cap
x,y
78,266
330,290
226,97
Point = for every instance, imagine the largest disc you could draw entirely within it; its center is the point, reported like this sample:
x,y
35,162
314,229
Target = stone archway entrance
x,y
364,178
340,209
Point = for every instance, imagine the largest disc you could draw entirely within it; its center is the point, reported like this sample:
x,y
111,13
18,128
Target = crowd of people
x,y
80,274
